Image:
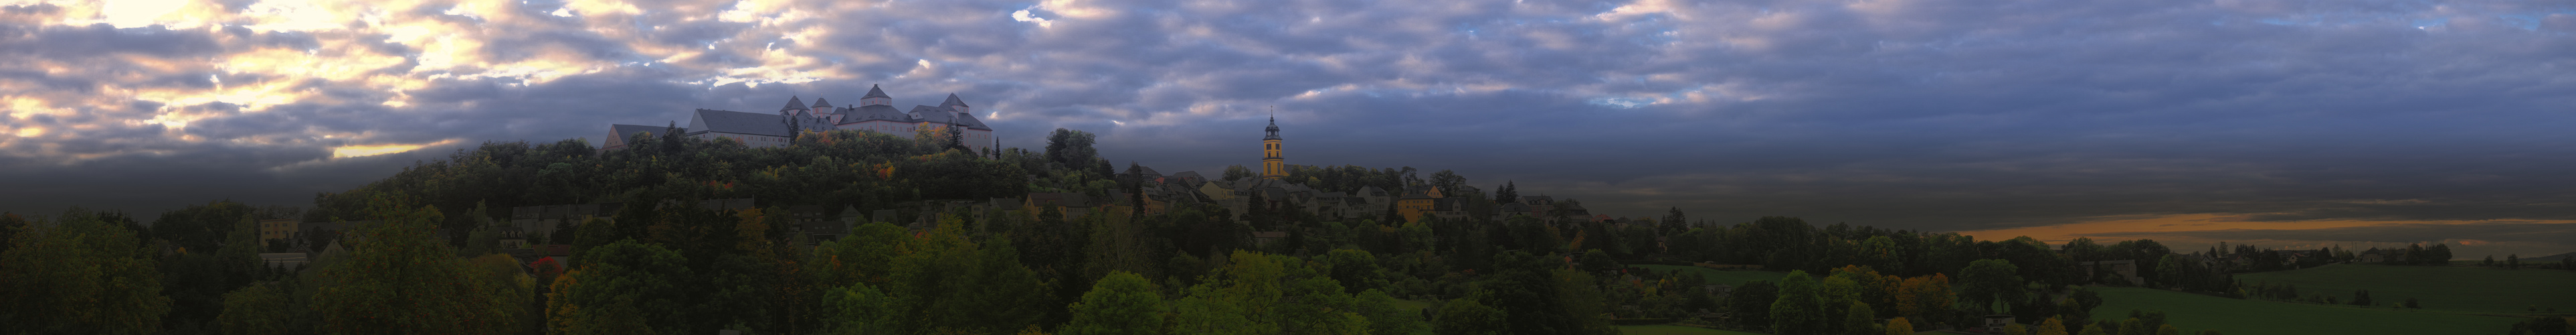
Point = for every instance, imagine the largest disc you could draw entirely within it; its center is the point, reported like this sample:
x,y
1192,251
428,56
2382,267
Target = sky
x,y
2283,124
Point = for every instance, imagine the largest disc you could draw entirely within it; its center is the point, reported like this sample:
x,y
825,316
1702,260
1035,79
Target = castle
x,y
875,112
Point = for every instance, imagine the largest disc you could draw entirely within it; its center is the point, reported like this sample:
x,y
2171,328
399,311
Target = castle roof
x,y
952,101
874,92
792,104
873,113
819,104
725,121
625,131
945,116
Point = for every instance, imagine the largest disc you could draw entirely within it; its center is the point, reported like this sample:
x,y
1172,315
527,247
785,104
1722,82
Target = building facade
x,y
875,112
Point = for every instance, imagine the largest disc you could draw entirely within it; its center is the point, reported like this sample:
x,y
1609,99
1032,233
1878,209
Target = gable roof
x,y
725,121
944,116
873,113
952,101
874,92
624,131
793,104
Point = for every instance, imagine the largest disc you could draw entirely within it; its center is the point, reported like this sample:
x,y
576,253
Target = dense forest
x,y
1191,269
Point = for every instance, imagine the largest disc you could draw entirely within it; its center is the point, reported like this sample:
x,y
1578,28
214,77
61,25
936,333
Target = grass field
x,y
2442,289
1729,277
2193,312
1676,330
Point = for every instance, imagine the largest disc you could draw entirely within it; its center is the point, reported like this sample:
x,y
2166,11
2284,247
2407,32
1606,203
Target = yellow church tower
x,y
1271,165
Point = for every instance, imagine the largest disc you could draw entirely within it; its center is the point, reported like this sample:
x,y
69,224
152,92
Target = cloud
x,y
1920,114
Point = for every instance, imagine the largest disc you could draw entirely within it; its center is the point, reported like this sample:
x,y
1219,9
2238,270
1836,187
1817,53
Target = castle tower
x,y
876,97
1272,166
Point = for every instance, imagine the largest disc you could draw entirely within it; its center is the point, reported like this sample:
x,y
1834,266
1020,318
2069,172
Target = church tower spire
x,y
1272,166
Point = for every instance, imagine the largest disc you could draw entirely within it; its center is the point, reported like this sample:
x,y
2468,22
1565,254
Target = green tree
x,y
1122,303
1799,309
82,274
865,256
258,309
624,287
1751,303
1899,326
1989,283
398,279
1384,316
1859,320
1465,316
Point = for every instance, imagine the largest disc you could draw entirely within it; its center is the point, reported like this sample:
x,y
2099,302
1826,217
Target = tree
x,y
1751,303
1898,326
398,279
1927,297
1507,193
1237,172
1990,282
258,309
2511,261
1799,309
83,274
1674,222
2050,327
623,287
1465,316
1122,303
1384,316
1859,320
1071,148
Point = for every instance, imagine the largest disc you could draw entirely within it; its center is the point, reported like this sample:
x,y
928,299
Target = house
x,y
821,224
1414,204
1267,238
2126,269
277,229
289,261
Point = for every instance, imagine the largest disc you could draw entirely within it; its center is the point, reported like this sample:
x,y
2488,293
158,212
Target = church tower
x,y
1271,165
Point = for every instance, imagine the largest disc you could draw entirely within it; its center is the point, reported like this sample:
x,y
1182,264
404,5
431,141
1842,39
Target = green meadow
x,y
2440,288
2194,312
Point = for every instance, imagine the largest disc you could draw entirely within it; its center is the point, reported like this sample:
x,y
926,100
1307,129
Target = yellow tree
x,y
2050,327
1898,326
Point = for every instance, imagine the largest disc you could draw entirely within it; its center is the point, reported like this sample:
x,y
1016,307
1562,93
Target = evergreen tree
x,y
1507,193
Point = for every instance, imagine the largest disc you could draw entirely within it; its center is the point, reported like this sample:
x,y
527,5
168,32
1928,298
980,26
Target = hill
x,y
2194,312
2550,258
2441,288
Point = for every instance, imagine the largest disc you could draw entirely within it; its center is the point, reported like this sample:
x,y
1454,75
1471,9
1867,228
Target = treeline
x,y
661,268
